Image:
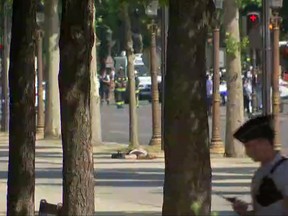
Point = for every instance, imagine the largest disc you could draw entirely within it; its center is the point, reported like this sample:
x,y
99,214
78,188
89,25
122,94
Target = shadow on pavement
x,y
126,213
142,177
146,213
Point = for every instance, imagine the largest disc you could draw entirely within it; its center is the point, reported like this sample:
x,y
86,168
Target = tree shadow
x,y
127,213
142,177
48,155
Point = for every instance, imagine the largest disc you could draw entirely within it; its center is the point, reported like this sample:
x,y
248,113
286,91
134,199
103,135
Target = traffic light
x,y
253,21
253,24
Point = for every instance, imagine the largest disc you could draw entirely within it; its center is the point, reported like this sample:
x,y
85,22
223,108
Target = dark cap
x,y
255,128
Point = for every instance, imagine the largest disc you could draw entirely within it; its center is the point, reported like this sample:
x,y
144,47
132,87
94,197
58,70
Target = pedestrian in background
x,y
137,91
105,87
209,93
120,88
247,93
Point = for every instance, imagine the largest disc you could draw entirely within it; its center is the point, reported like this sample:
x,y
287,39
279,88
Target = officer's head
x,y
257,135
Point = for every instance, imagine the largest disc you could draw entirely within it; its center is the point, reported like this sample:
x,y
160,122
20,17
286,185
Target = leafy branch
x,y
233,46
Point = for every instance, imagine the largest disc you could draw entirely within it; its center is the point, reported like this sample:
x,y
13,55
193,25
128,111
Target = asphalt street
x,y
115,124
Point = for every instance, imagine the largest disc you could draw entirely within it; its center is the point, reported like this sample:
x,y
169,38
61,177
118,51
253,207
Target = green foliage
x,y
233,46
244,3
196,207
163,2
244,43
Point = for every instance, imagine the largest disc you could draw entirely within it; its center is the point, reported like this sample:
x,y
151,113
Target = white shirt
x,y
280,177
209,87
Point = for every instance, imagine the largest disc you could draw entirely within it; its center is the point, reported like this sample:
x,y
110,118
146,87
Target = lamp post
x,y
151,11
40,107
266,66
254,83
275,5
217,146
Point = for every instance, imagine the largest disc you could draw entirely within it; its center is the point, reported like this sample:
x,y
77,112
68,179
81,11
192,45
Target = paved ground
x,y
115,124
126,187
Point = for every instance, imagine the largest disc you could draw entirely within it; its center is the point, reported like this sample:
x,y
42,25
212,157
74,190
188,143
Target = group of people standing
x,y
247,91
117,82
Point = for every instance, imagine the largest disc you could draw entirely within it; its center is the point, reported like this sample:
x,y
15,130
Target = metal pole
x,y
156,120
276,74
217,146
40,108
266,63
254,98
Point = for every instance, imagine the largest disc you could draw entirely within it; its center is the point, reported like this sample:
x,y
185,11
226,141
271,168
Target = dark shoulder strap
x,y
278,164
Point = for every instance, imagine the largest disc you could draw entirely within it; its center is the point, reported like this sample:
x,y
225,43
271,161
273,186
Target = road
x,y
115,123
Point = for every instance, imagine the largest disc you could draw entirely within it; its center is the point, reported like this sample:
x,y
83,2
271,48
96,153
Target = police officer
x,y
137,82
269,188
120,88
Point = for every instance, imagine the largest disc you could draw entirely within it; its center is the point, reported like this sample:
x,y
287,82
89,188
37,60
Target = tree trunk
x,y
234,111
187,158
96,136
52,112
76,42
21,170
133,121
5,63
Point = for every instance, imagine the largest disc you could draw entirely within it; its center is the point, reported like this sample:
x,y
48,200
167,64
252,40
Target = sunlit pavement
x,y
126,187
115,124
129,187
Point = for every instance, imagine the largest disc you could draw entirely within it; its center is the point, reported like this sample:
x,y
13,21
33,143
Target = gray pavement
x,y
125,187
115,124
129,187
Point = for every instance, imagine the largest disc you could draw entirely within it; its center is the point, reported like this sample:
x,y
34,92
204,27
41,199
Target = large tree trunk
x,y
187,158
52,111
5,63
234,111
133,121
21,170
96,136
76,42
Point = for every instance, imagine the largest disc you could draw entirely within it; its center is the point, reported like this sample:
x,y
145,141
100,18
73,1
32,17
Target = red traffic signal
x,y
253,21
253,18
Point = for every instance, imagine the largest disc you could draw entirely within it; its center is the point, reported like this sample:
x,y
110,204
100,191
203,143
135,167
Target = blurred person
x,y
269,187
209,93
105,87
120,88
247,94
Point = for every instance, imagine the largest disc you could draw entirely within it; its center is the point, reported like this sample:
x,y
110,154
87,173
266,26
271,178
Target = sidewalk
x,y
125,187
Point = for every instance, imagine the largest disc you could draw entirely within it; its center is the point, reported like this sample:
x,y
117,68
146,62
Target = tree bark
x,y
76,42
234,110
187,158
5,63
133,121
52,112
96,136
21,170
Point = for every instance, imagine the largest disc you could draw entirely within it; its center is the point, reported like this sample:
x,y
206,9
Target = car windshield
x,y
142,70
